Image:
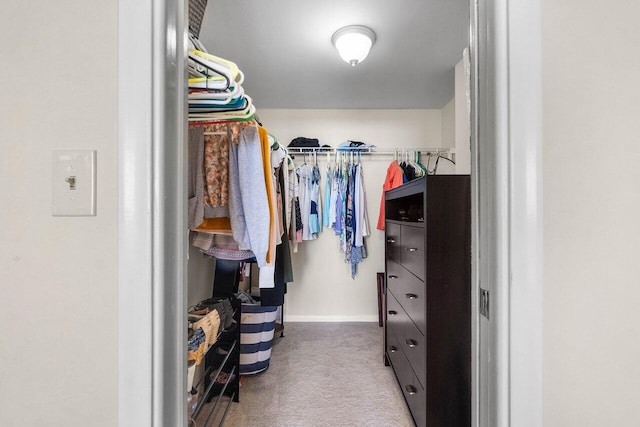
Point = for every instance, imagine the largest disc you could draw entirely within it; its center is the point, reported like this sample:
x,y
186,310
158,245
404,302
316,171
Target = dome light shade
x,y
353,43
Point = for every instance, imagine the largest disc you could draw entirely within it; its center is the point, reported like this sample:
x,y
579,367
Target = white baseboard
x,y
330,319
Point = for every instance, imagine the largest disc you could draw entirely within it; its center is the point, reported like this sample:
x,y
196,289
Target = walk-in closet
x,y
329,206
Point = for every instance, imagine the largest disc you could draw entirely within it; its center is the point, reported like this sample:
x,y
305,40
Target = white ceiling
x,y
284,48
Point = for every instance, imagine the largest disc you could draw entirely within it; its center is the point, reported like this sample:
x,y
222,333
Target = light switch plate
x,y
74,183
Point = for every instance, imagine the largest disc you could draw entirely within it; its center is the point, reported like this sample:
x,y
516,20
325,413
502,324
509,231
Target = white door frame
x,y
507,212
152,213
506,177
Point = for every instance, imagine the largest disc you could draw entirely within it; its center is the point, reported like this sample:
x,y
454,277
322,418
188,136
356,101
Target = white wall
x,y
58,276
456,125
592,213
200,272
449,124
323,289
462,122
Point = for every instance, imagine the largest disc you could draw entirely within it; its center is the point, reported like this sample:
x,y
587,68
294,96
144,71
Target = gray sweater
x,y
248,204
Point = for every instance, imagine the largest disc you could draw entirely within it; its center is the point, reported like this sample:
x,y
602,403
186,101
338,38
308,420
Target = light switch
x,y
74,183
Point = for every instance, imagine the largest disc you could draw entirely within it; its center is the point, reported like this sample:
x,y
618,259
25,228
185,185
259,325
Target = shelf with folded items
x,y
221,365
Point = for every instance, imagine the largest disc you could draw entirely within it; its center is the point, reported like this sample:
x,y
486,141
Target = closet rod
x,y
373,150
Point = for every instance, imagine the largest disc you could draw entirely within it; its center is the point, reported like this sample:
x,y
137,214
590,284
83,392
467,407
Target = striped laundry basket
x,y
257,326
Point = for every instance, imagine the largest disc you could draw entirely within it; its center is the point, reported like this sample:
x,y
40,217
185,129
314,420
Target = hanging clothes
x,y
209,175
349,215
305,176
394,178
287,275
363,229
347,207
267,272
248,199
195,185
240,201
287,166
295,215
216,167
315,213
361,222
409,171
217,138
333,202
342,199
253,203
283,268
327,197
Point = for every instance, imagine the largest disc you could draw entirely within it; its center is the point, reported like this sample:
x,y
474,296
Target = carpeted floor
x,y
321,374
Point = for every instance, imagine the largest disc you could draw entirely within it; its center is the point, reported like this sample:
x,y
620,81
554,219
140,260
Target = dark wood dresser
x,y
428,299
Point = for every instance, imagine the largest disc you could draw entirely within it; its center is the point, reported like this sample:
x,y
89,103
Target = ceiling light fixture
x,y
353,43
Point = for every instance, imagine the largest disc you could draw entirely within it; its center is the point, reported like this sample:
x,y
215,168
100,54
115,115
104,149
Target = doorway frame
x,y
152,255
153,247
505,41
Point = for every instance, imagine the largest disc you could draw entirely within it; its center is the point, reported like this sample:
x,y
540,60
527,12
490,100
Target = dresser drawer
x,y
416,397
411,388
394,352
414,345
397,320
411,341
412,250
410,293
392,238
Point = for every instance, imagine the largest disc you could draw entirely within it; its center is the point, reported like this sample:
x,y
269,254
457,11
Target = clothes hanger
x,y
221,65
202,64
407,163
205,107
419,163
237,116
246,109
195,43
428,162
210,97
418,169
441,157
207,74
274,145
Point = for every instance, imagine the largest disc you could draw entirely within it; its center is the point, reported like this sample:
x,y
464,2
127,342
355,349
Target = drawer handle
x,y
390,240
392,276
411,296
411,389
411,343
392,312
412,249
393,348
